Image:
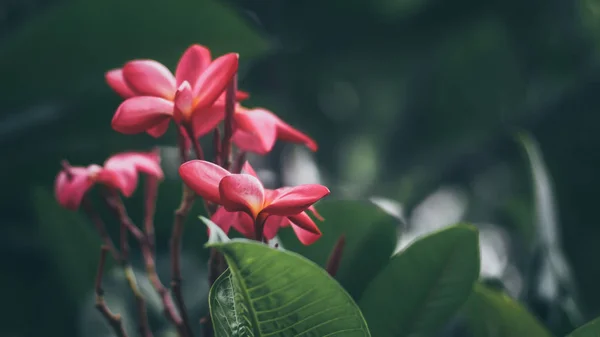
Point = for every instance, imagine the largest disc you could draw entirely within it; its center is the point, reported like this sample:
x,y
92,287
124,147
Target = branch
x,y
150,209
239,161
195,143
114,320
140,303
89,210
228,132
183,151
217,145
187,201
115,204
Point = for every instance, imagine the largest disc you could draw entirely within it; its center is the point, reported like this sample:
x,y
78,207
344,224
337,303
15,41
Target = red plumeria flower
x,y
258,129
244,224
119,172
152,92
245,193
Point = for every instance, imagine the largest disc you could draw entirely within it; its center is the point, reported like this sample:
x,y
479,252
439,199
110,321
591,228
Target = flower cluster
x,y
198,97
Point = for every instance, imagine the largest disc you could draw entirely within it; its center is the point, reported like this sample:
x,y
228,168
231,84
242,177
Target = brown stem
x,y
239,161
333,263
115,320
89,210
217,145
228,132
123,242
150,209
140,303
115,204
183,151
195,143
181,214
259,226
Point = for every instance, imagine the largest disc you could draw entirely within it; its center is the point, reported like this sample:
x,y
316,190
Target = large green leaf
x,y
492,313
591,329
371,237
424,285
269,292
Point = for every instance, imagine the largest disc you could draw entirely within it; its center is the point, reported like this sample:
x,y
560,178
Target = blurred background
x,y
438,111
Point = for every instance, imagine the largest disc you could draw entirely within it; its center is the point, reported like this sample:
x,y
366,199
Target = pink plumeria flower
x,y
244,224
154,95
120,172
249,205
258,129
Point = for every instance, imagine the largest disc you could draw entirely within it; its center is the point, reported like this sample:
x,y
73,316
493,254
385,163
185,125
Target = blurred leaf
x,y
424,285
371,237
547,230
591,329
80,39
545,205
492,313
269,292
70,241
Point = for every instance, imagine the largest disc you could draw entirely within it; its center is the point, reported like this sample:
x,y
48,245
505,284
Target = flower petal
x,y
272,225
183,102
241,95
249,143
316,213
70,189
124,179
203,177
207,119
287,133
244,225
242,193
259,123
240,221
149,78
146,162
293,200
214,80
192,63
115,80
305,228
224,219
247,168
159,130
140,113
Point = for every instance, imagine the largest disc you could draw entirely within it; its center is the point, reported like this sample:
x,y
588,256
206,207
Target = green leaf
x,y
269,292
424,285
547,233
371,237
591,329
492,313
